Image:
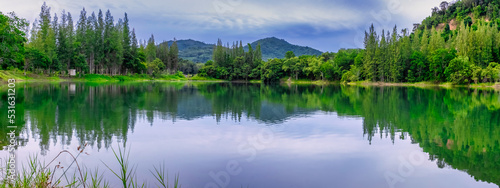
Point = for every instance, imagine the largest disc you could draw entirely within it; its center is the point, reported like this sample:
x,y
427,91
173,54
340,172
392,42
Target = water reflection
x,y
458,128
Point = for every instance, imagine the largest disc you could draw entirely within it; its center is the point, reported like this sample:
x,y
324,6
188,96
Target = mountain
x,y
271,47
194,51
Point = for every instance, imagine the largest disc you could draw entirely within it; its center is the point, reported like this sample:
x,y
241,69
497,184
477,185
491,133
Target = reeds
x,y
35,174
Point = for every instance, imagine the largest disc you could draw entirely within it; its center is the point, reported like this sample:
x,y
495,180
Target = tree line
x,y
96,44
467,54
233,63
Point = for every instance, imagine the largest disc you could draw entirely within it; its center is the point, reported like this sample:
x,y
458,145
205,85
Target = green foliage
x,y
195,51
97,45
460,70
12,39
36,59
353,75
201,78
156,67
150,50
468,21
439,60
272,70
189,67
276,48
289,54
101,45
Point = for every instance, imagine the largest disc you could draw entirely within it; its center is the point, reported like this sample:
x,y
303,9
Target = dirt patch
x,y
440,26
453,24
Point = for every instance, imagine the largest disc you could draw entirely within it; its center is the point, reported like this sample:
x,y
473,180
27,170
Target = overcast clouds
x,y
321,24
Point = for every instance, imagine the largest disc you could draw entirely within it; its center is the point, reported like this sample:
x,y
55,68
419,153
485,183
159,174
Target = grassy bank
x,y
124,78
200,78
35,173
287,80
426,84
20,76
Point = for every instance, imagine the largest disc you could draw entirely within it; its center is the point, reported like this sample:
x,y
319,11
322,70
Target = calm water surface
x,y
252,135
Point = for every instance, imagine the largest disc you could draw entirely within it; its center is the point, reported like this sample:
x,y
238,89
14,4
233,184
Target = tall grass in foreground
x,y
40,175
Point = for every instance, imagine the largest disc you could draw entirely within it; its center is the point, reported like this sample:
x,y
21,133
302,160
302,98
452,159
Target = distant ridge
x,y
271,47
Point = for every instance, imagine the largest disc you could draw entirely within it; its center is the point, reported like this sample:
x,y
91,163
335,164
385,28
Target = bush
x,y
272,71
460,70
155,67
352,75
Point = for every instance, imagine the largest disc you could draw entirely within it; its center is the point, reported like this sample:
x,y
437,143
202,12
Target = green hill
x,y
272,47
195,51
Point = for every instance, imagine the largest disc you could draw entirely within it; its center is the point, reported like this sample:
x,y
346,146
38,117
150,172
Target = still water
x,y
258,136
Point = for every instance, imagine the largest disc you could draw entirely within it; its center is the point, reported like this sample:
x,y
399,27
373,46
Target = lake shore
x,y
495,86
20,76
31,77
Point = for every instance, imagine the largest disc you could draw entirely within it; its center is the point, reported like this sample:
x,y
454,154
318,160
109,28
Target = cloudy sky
x,y
326,25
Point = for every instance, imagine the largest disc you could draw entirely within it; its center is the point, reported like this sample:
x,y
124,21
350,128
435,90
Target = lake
x,y
253,135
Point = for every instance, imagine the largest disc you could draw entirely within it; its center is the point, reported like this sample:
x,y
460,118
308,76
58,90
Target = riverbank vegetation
x,y
21,76
54,174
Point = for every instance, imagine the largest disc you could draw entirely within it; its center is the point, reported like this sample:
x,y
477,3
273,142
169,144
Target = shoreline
x,y
495,85
98,78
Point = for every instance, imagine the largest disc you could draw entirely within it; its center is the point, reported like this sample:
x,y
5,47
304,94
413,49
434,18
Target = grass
x,y
14,74
201,78
173,77
40,175
427,84
134,77
306,81
19,76
99,78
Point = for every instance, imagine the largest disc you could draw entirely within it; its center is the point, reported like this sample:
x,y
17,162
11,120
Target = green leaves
x,y
460,70
12,40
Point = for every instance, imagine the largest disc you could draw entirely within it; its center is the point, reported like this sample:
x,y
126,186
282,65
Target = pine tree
x,y
62,41
174,56
80,44
257,56
127,54
395,56
108,37
70,39
249,56
381,55
218,54
134,52
371,43
93,39
162,53
151,49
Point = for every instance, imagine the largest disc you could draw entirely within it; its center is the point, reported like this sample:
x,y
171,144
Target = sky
x,y
326,25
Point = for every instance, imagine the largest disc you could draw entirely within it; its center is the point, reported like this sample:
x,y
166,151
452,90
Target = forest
x,y
96,44
459,43
433,51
